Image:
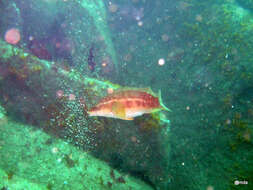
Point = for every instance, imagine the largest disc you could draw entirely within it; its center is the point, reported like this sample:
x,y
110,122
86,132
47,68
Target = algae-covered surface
x,y
59,58
31,159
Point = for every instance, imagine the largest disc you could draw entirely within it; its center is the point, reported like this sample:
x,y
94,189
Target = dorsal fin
x,y
147,90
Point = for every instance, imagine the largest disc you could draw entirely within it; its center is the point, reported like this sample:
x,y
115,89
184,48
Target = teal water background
x,y
206,80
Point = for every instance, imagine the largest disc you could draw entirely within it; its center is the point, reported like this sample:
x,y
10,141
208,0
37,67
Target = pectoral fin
x,y
118,109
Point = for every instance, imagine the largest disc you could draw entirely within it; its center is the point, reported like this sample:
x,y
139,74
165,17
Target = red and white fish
x,y
128,103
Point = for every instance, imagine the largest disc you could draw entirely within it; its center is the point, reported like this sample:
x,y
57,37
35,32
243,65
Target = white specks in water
x,y
72,97
209,187
59,160
54,150
113,7
109,90
199,18
165,37
140,23
134,139
31,38
59,93
228,121
161,62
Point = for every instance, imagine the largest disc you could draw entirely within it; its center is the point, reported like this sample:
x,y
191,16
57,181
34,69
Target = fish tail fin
x,y
161,102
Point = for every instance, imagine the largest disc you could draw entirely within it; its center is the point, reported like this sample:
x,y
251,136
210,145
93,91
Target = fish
x,y
91,62
127,103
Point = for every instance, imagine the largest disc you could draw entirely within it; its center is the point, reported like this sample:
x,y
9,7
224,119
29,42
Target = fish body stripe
x,y
128,95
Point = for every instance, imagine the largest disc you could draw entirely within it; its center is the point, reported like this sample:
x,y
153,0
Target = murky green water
x,y
77,110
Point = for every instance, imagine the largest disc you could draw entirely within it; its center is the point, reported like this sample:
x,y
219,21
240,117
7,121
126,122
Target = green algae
x,y
37,165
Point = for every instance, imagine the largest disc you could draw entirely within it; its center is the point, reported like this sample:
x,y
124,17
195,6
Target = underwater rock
x,y
60,165
55,99
49,32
